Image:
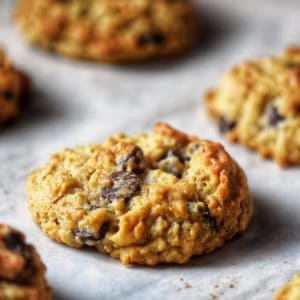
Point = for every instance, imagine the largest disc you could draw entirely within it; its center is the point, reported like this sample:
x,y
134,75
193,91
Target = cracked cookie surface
x,y
21,270
106,30
290,291
146,199
257,104
14,90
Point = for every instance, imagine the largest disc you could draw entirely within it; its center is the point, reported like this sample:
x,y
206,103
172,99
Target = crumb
x,y
178,290
231,285
181,279
213,297
187,285
216,286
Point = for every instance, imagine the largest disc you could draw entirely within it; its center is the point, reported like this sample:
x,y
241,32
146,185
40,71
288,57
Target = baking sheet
x,y
79,102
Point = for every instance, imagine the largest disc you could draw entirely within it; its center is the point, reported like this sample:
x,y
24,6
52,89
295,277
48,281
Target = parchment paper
x,y
79,102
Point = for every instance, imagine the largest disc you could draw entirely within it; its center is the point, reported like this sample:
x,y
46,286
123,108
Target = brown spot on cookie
x,y
226,125
124,185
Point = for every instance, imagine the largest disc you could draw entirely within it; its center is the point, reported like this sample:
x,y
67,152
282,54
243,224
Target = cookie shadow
x,y
270,232
40,109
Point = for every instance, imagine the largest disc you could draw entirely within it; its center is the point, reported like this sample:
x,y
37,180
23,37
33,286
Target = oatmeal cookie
x,y
145,199
257,104
14,90
21,270
106,30
290,291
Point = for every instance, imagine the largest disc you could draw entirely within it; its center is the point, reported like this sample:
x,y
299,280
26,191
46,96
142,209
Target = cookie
x,y
21,270
111,31
14,90
257,103
145,199
290,291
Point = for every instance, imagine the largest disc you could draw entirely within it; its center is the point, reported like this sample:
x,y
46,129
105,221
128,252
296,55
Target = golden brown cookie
x,y
145,199
290,291
105,30
14,90
257,103
22,274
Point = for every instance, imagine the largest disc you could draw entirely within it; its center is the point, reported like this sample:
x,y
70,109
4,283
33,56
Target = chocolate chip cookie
x,y
21,270
290,291
106,30
14,90
257,103
145,199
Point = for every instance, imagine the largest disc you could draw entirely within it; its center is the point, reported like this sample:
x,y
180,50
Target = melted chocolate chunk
x,y
151,38
274,117
14,242
208,218
226,125
8,95
124,185
134,161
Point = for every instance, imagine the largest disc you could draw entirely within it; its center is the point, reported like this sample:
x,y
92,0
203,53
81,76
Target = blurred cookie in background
x,y
22,274
257,103
110,31
14,90
290,291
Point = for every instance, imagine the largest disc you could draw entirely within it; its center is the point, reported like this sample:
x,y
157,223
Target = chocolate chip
x,y
274,117
124,185
85,236
151,38
134,161
14,242
8,95
226,125
103,230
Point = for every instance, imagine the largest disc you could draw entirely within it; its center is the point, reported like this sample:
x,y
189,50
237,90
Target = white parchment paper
x,y
80,102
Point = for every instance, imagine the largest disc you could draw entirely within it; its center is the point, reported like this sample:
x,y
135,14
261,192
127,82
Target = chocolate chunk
x,y
124,185
85,235
8,95
14,242
151,38
173,162
274,117
134,161
103,230
226,125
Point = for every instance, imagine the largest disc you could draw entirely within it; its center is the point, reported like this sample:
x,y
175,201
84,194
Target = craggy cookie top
x,y
146,199
14,89
257,103
118,30
21,270
290,291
